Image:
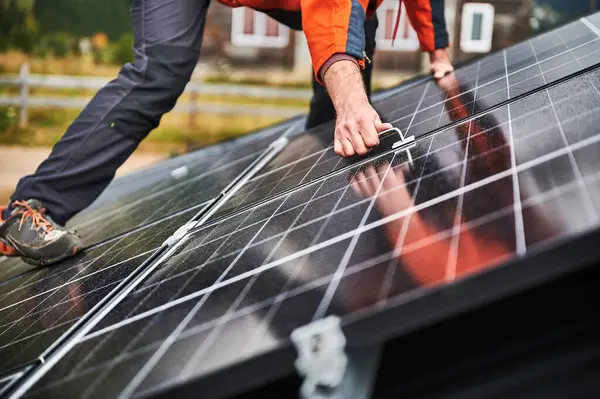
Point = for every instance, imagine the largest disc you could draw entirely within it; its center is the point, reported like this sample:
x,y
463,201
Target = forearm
x,y
345,85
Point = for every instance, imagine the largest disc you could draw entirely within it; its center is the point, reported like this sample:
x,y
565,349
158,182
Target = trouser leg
x,y
321,107
168,36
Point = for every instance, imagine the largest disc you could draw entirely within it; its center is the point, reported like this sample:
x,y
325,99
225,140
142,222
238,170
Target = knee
x,y
170,67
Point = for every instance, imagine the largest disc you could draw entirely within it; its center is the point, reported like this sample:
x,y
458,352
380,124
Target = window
x,y
253,28
477,27
406,38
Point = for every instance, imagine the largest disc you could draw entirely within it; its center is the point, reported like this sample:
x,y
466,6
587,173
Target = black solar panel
x,y
170,187
42,304
505,166
424,107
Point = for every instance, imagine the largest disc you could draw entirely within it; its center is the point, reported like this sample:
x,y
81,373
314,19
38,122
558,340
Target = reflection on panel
x,y
459,202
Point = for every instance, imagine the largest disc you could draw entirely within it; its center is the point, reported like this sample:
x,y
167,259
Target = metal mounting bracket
x,y
402,142
321,357
179,233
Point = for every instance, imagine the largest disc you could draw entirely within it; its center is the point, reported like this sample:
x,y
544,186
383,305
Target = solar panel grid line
x,y
453,253
590,25
309,170
519,227
588,202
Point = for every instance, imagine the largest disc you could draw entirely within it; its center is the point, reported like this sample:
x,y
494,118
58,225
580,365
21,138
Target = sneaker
x,y
31,234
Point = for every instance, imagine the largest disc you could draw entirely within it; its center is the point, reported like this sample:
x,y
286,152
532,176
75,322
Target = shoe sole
x,y
72,251
7,249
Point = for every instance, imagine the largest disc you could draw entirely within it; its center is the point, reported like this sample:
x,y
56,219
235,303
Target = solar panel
x,y
170,187
6,380
43,303
505,168
427,106
467,199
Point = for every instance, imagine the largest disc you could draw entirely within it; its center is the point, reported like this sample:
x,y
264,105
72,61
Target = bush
x,y
122,50
60,44
8,118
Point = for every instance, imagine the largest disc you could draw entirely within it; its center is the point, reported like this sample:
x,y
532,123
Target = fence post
x,y
24,77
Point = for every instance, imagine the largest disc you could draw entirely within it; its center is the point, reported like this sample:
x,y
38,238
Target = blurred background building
x,y
54,55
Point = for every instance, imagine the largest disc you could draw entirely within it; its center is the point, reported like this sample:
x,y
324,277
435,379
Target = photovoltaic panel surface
x,y
170,187
466,199
430,105
43,303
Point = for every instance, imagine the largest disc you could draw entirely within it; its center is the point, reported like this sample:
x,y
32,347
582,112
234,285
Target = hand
x,y
357,129
440,63
357,125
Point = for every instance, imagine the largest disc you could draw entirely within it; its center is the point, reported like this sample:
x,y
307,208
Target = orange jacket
x,y
337,26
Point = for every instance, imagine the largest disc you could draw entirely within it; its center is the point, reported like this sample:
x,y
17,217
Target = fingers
x,y
368,131
347,147
337,147
358,131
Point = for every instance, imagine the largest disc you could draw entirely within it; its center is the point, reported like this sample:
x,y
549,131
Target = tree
x,y
18,25
84,18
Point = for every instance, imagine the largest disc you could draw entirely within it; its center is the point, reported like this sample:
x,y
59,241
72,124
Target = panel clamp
x,y
179,233
402,140
322,360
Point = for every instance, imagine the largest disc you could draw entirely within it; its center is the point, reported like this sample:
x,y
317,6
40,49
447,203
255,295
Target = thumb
x,y
380,126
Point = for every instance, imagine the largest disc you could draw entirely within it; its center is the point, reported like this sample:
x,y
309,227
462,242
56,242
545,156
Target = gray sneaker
x,y
31,234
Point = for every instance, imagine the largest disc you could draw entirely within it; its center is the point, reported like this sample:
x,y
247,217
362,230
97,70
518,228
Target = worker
x,y
167,41
426,17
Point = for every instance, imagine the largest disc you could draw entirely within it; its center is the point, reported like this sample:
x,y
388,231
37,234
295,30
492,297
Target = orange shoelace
x,y
37,217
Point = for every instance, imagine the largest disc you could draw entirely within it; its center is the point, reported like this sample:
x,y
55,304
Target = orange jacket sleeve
x,y
428,20
334,27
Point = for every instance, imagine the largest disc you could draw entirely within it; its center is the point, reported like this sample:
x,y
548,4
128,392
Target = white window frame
x,y
259,37
483,45
400,44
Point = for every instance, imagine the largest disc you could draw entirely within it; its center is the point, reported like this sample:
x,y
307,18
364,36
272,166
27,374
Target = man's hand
x,y
358,124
